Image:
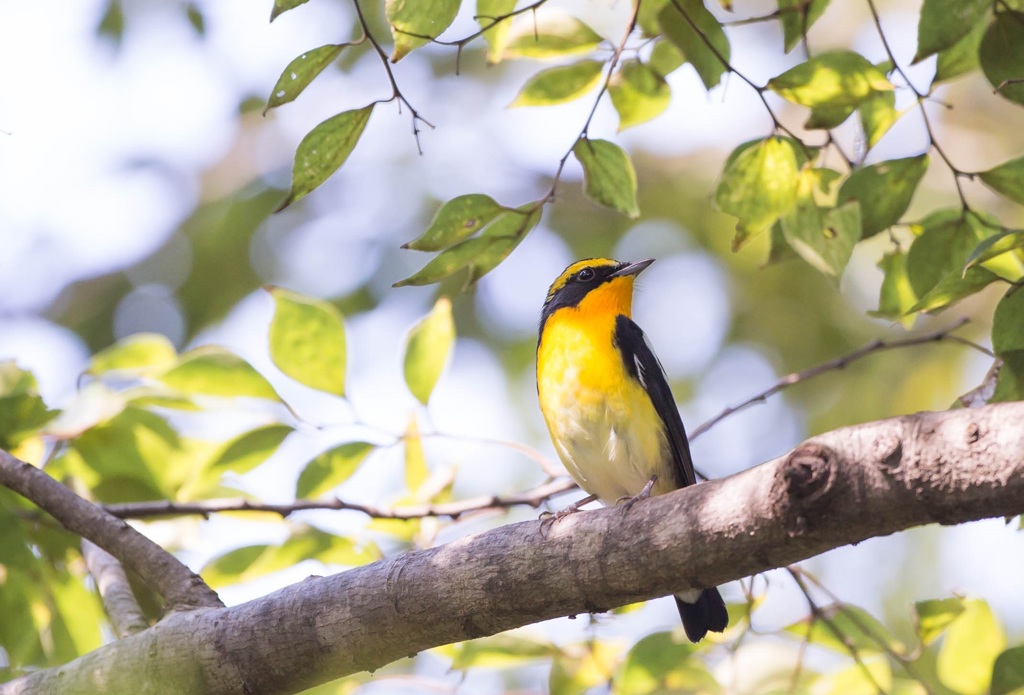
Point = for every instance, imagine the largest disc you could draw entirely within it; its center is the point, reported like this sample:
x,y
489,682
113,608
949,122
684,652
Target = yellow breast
x,y
602,422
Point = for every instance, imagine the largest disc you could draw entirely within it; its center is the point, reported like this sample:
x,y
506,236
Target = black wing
x,y
643,365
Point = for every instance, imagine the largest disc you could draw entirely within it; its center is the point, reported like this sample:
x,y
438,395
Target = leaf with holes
x,y
457,219
300,72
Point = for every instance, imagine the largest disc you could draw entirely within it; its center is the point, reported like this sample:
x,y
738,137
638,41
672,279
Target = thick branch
x,y
180,587
838,488
122,608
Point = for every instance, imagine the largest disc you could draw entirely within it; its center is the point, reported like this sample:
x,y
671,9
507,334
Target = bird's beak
x,y
632,268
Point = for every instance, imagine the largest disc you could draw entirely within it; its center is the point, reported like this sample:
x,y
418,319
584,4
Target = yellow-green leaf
x,y
884,191
944,22
415,22
560,84
300,72
1007,179
500,651
933,617
427,350
331,468
416,470
214,371
877,115
608,175
495,32
307,341
995,245
551,35
695,31
250,449
896,295
139,352
758,186
1008,323
282,6
1002,55
952,288
457,219
324,150
797,17
665,58
841,78
973,641
638,94
823,238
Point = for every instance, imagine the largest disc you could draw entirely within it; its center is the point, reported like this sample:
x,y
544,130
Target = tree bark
x,y
838,488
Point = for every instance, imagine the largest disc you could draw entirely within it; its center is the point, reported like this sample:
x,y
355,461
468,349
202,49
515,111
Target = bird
x,y
608,405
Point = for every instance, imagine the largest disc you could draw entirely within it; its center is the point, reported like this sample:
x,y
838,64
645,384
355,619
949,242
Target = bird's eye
x,y
585,275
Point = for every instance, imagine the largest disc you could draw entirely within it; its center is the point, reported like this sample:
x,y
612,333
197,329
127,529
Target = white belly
x,y
610,444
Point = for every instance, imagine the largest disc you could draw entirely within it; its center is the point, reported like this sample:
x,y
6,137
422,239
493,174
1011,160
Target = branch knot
x,y
805,483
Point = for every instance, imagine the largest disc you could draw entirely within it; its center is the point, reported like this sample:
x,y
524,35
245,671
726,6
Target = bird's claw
x,y
628,502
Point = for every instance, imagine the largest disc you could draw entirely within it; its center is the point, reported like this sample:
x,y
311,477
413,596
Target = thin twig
x,y
839,363
533,497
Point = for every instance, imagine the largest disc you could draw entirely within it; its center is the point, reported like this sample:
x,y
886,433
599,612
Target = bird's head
x,y
598,285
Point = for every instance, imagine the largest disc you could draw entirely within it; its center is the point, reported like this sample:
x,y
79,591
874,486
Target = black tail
x,y
708,613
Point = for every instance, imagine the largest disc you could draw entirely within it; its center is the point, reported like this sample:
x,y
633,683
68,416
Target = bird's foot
x,y
547,519
628,502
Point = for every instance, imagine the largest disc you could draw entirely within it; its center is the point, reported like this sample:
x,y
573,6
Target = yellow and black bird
x,y
608,405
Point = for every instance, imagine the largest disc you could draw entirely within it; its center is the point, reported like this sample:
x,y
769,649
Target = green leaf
x,y
1002,55
973,641
827,116
137,352
944,240
1010,380
877,115
961,57
665,58
944,22
758,186
427,350
1008,672
282,6
22,410
415,22
841,78
324,150
213,371
1008,323
416,470
560,84
579,668
933,617
495,34
608,175
896,295
638,93
885,190
554,35
797,18
457,219
331,468
691,27
995,245
1007,179
300,72
250,449
871,675
656,661
307,341
480,254
858,628
823,238
500,651
952,288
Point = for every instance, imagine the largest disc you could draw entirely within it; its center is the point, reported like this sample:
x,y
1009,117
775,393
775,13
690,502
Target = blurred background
x,y
138,176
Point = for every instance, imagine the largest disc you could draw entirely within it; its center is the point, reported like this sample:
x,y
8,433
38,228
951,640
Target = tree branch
x,y
180,587
838,488
123,610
